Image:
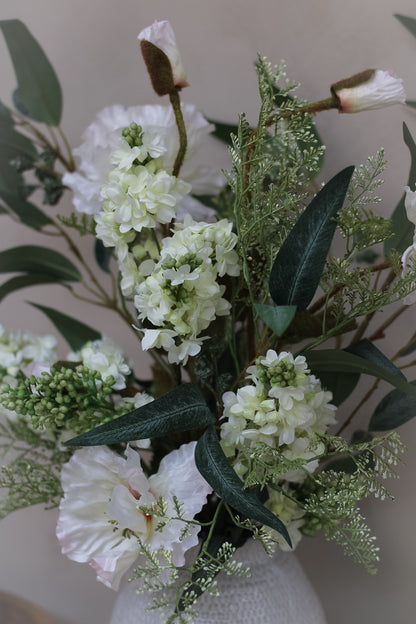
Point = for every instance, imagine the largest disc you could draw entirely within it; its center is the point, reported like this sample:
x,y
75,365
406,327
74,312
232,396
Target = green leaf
x,y
6,119
278,318
394,410
182,409
298,266
75,333
223,131
14,144
330,360
402,229
24,281
35,259
367,350
28,213
340,384
38,86
102,255
217,470
411,103
408,22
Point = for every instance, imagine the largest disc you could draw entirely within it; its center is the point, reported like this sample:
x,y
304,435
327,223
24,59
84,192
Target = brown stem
x,y
379,333
359,406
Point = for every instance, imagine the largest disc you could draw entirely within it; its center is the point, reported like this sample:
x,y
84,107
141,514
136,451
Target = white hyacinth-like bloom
x,y
162,36
20,350
281,408
102,142
409,255
181,296
107,358
100,517
369,90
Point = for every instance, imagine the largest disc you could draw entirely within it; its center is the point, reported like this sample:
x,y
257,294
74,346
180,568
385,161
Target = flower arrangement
x,y
229,283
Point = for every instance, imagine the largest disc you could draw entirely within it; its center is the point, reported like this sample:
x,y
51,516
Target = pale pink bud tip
x,y
161,35
369,90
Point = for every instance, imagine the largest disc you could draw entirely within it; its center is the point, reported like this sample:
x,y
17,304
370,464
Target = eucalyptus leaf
x,y
102,255
278,318
367,350
39,90
35,259
28,213
6,119
25,281
411,103
395,409
402,228
408,22
217,470
340,384
223,131
330,360
75,333
182,409
298,266
14,144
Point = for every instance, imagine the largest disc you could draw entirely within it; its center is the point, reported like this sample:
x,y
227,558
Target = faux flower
x,y
107,358
18,350
368,90
410,204
102,139
100,517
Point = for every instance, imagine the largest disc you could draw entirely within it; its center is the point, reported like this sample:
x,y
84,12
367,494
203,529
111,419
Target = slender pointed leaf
x,y
367,350
28,213
217,470
39,89
394,410
411,346
402,228
408,22
102,255
278,318
24,281
298,267
6,119
182,409
340,384
411,103
34,259
223,131
75,333
330,360
14,144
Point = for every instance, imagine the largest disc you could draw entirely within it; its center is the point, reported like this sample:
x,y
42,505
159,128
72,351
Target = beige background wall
x,y
92,44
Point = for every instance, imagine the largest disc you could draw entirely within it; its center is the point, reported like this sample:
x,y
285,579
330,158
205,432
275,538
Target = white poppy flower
x,y
100,514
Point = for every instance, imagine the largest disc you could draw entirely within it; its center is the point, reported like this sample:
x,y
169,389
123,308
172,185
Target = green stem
x,y
183,141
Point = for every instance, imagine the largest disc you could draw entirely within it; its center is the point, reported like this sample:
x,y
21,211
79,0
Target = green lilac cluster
x,y
74,398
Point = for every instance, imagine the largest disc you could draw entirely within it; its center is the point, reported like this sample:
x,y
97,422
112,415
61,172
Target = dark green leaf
x,y
278,318
23,281
13,144
10,180
28,213
182,409
330,360
102,255
340,384
223,131
35,259
217,470
411,103
38,86
402,229
6,119
408,22
367,350
394,410
411,346
17,101
75,333
298,267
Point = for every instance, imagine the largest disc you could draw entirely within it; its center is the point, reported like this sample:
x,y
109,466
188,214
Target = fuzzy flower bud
x,y
162,58
368,90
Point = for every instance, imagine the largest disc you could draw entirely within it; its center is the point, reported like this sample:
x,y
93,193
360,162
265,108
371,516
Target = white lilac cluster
x,y
21,351
181,295
107,358
101,140
100,519
409,256
281,407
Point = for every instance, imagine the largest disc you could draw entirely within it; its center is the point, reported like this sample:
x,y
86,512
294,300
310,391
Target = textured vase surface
x,y
278,592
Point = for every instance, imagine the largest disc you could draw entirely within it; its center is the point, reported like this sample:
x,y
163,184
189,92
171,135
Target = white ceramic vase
x,y
278,592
